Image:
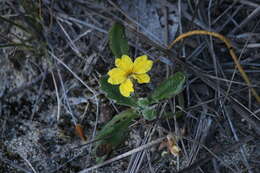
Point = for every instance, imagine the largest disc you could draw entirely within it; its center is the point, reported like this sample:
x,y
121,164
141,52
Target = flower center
x,y
129,73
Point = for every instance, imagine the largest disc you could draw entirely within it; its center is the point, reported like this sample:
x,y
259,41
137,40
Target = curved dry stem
x,y
231,51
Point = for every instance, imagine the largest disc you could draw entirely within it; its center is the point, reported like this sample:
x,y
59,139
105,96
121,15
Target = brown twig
x,y
231,51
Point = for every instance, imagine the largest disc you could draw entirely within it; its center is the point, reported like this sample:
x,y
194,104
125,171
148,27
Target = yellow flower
x,y
126,70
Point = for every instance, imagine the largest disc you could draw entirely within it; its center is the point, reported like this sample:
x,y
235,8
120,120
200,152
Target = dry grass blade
x,y
75,75
30,165
57,95
143,147
246,114
210,156
137,158
250,17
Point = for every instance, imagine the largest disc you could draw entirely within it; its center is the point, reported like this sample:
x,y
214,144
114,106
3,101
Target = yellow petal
x,y
142,65
116,76
125,63
142,78
126,88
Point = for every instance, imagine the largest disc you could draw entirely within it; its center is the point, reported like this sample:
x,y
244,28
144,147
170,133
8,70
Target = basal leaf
x,y
143,102
113,134
117,41
170,87
113,93
149,113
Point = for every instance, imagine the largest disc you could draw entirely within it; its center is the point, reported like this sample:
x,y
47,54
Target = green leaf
x,y
113,93
149,113
170,87
143,102
117,41
113,134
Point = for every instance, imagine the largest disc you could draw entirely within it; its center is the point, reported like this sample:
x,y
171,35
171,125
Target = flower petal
x,y
116,76
126,88
142,65
142,78
125,63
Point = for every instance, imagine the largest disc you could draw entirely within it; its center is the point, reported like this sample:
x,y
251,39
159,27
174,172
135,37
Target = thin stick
x,y
231,51
141,148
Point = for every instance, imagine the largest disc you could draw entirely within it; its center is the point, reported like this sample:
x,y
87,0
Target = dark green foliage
x,y
113,93
170,87
117,41
113,133
149,113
